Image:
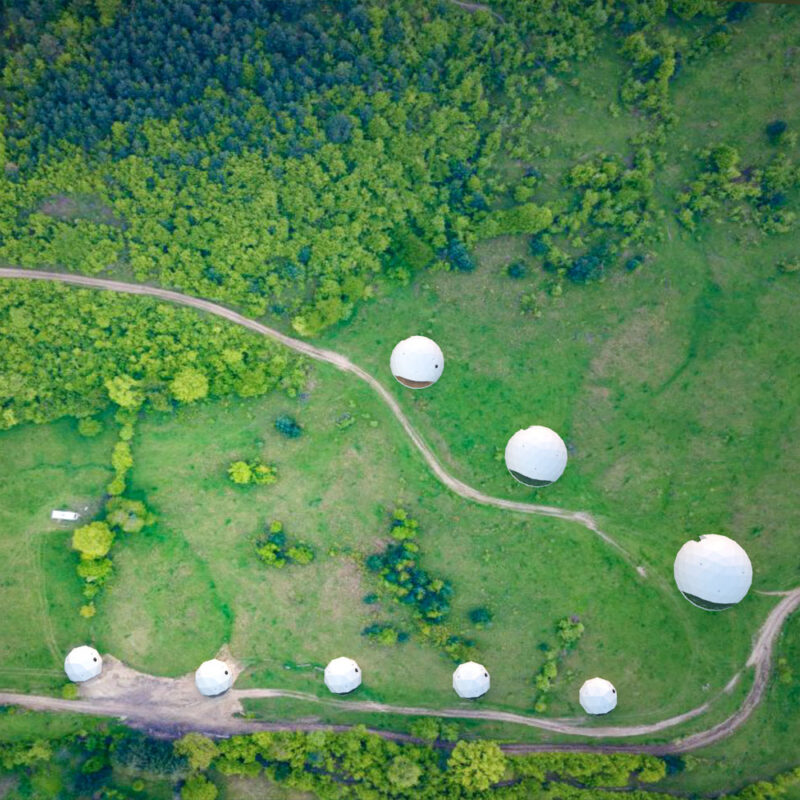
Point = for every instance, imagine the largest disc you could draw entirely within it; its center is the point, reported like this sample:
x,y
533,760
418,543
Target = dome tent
x,y
536,456
83,663
417,362
342,675
213,677
471,680
598,696
713,573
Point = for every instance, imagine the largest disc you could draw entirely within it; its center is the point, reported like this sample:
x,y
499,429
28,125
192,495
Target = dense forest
x,y
291,157
115,763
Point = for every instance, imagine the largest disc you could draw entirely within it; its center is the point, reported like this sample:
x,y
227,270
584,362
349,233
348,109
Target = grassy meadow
x,y
674,386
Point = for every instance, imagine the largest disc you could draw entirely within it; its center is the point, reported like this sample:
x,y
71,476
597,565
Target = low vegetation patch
x,y
275,549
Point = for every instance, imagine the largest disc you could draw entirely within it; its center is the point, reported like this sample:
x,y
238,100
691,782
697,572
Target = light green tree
x,y
93,540
125,391
476,765
198,749
240,472
403,772
189,385
198,787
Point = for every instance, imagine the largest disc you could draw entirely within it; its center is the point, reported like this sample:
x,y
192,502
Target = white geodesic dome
x,y
83,663
536,456
213,677
417,362
598,696
342,675
713,573
471,680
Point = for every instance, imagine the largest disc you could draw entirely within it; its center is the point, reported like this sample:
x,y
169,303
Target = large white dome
x,y
471,680
417,362
342,675
713,573
598,696
213,677
83,663
536,456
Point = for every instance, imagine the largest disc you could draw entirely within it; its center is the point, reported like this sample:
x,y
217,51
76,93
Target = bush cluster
x,y
274,549
252,471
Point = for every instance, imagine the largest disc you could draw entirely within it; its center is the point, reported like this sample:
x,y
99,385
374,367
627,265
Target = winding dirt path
x,y
172,706
340,362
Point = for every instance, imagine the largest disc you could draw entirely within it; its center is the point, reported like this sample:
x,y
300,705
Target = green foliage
x,y
198,787
274,550
156,756
199,750
92,541
480,617
89,427
476,765
384,633
70,365
517,270
69,691
410,585
288,426
568,632
129,516
188,385
756,195
253,471
240,472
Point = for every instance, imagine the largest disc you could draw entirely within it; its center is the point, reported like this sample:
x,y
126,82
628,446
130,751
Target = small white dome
x,y
713,573
536,456
471,680
83,663
342,675
598,696
213,677
417,362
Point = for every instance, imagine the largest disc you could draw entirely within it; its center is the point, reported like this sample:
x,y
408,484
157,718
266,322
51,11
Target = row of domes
x,y
713,573
342,675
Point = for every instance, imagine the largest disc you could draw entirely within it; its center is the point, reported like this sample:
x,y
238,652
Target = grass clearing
x,y
41,468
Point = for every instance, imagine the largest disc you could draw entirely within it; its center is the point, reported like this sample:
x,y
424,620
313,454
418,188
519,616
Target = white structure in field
x,y
536,456
713,573
471,680
83,663
342,675
417,362
213,677
64,516
598,696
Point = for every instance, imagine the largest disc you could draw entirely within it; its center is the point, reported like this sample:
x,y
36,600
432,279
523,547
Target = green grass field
x,y
675,388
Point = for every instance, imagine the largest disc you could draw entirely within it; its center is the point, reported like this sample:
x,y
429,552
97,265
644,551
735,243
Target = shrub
x,y
517,270
69,691
288,426
274,550
128,515
480,617
89,426
93,540
240,472
459,257
775,130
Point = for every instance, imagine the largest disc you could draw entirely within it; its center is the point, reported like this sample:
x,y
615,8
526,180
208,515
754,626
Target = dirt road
x,y
340,362
170,705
